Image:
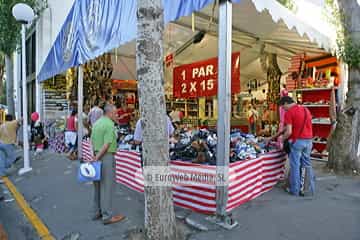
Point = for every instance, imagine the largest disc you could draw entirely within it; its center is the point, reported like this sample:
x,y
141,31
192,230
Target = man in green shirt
x,y
103,139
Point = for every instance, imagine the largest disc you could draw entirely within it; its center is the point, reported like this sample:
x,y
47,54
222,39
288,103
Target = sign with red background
x,y
199,79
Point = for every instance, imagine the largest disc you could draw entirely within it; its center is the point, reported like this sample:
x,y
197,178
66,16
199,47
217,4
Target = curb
x,y
33,218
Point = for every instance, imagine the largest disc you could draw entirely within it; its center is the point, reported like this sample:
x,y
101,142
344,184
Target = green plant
x,y
347,50
290,4
3,93
9,28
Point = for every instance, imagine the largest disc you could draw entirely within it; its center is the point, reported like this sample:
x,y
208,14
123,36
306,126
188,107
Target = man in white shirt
x,y
138,130
95,113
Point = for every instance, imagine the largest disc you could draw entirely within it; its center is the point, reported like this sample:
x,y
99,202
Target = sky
x,y
312,12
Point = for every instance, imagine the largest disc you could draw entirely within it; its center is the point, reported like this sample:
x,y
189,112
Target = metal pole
x,y
224,104
18,84
26,167
38,86
80,109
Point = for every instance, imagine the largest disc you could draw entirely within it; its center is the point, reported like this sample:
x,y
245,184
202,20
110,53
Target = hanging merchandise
x,y
200,79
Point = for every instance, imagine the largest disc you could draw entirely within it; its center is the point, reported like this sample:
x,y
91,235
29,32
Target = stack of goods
x,y
199,146
244,146
295,71
125,139
55,133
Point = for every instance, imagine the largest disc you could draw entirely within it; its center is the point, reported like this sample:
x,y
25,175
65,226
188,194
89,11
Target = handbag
x,y
89,172
286,143
286,146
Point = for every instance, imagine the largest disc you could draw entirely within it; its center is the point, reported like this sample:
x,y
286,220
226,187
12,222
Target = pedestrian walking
x,y
7,144
103,139
71,134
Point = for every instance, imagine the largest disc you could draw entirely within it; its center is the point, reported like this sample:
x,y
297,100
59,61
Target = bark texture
x,y
344,143
10,85
159,211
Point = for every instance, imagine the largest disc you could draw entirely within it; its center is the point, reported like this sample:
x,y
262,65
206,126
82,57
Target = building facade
x,y
39,39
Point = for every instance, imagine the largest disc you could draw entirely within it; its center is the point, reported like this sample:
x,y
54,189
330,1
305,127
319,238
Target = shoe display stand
x,y
194,185
317,100
311,79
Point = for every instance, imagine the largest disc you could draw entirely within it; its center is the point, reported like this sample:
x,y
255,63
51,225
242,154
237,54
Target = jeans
x,y
300,158
7,157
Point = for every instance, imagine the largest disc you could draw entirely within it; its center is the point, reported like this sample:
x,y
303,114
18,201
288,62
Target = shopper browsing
x,y
252,118
176,116
138,131
298,131
124,115
95,113
103,139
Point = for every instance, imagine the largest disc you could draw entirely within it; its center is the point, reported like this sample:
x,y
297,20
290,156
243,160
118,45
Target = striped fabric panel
x,y
255,179
248,179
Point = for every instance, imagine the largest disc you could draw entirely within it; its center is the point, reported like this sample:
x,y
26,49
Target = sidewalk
x,y
63,204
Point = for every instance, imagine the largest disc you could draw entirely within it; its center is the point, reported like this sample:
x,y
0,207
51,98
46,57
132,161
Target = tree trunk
x,y
9,84
344,142
159,211
2,71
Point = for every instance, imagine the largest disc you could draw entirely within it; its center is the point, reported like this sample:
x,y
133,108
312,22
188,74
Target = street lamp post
x,y
24,14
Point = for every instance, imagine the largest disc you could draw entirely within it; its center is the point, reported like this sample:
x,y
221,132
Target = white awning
x,y
255,22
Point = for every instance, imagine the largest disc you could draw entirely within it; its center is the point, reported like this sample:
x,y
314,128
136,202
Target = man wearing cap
x,y
103,138
298,131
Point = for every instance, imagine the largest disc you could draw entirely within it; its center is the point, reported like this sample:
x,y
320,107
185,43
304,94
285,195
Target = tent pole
x,y
224,112
80,109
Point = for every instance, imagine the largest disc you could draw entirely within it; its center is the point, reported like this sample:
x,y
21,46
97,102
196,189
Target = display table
x,y
57,143
247,179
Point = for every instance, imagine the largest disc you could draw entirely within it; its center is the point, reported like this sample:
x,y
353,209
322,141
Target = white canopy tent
x,y
255,22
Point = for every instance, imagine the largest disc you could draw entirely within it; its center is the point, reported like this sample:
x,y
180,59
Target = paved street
x,y
13,220
63,205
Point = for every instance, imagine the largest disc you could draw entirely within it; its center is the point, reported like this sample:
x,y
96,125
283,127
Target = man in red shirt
x,y
124,116
298,131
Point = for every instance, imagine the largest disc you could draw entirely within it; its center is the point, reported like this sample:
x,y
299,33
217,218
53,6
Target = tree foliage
x,y
9,28
347,49
3,94
290,4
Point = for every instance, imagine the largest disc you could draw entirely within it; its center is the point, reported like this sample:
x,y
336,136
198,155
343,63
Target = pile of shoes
x,y
245,146
197,147
200,147
125,141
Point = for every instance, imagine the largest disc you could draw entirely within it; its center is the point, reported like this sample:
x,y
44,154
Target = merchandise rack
x,y
317,99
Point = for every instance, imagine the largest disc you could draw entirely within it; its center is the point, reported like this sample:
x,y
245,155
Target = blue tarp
x,y
94,27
